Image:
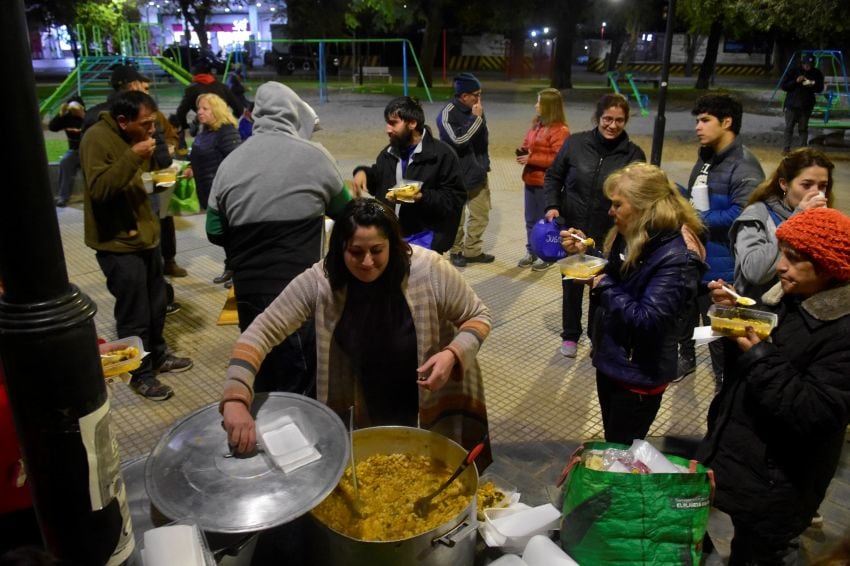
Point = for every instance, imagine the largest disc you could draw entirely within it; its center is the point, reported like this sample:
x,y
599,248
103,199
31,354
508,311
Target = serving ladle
x,y
740,300
422,504
357,505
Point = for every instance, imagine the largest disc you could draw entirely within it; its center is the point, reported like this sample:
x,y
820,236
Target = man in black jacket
x,y
414,155
801,84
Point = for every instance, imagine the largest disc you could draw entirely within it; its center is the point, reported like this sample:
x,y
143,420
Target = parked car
x,y
288,58
197,55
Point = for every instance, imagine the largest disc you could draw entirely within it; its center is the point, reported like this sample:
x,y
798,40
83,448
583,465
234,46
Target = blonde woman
x,y
544,139
651,279
217,137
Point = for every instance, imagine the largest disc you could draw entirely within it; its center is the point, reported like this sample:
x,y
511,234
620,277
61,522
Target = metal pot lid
x,y
189,475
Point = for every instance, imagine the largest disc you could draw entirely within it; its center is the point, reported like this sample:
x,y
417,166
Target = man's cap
x,y
808,59
466,82
123,75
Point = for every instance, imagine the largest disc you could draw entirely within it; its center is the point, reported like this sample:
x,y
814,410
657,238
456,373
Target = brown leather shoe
x,y
174,270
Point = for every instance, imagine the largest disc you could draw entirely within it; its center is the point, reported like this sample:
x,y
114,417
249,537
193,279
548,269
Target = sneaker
x,y
685,366
817,521
61,203
540,265
480,258
151,388
527,260
569,349
172,308
225,276
229,284
174,364
458,260
174,270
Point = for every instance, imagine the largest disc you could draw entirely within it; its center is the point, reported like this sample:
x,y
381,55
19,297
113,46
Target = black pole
x,y
660,118
48,344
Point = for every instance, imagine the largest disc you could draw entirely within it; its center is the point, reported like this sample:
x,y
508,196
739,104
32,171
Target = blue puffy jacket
x,y
640,313
732,175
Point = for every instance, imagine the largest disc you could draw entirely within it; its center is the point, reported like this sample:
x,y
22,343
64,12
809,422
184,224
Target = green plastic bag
x,y
184,200
622,518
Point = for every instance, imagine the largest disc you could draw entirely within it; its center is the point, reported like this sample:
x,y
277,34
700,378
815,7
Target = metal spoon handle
x,y
351,442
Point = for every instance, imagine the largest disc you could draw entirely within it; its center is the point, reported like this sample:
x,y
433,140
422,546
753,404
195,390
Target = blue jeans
x,y
68,166
291,365
138,285
535,209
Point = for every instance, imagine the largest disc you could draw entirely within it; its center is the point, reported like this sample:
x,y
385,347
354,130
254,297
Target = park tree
x,y
394,14
108,15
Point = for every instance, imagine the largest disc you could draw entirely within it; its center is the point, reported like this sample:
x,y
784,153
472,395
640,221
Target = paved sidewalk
x,y
541,404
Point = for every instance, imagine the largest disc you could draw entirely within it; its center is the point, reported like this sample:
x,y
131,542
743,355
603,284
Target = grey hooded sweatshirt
x,y
270,195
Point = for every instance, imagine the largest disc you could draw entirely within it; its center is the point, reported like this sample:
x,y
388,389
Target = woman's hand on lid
x,y
436,370
240,427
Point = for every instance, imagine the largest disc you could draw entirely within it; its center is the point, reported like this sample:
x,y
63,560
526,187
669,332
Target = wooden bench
x,y
373,72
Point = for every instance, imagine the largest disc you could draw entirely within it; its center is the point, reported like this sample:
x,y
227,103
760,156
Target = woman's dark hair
x,y
608,101
789,168
365,213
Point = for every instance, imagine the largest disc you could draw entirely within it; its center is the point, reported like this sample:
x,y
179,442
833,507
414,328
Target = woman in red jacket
x,y
538,151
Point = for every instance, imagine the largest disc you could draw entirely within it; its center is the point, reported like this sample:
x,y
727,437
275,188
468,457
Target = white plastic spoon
x,y
743,301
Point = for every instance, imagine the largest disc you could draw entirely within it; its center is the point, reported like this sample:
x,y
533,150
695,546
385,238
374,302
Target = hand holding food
x,y
358,184
812,199
751,339
574,241
144,149
405,193
719,296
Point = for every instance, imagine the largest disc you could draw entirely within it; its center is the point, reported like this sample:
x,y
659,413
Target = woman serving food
x,y
397,330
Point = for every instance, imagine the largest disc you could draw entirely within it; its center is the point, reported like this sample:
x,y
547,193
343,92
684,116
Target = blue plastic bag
x,y
546,240
422,239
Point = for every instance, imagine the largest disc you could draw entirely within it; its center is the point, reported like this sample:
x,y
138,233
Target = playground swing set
x,y
90,78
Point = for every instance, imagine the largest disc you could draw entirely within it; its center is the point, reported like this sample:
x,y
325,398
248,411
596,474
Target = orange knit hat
x,y
823,234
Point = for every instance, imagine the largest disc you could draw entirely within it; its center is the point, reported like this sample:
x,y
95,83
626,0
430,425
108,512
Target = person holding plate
x,y
650,280
777,427
415,157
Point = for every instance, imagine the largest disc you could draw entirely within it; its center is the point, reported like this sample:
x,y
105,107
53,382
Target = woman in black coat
x,y
777,427
573,191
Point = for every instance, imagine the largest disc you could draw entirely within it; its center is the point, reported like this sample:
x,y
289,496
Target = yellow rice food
x,y
738,326
389,485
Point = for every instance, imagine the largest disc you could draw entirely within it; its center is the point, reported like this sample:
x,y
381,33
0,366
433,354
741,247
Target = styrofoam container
x,y
115,367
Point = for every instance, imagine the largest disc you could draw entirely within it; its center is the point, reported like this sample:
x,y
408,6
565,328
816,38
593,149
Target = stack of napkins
x,y
511,528
540,551
175,545
285,443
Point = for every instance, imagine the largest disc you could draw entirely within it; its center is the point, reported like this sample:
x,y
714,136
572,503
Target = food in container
x,y
406,190
389,484
121,356
733,321
581,266
494,492
164,176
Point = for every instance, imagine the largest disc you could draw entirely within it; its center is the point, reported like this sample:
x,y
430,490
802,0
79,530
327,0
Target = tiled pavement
x,y
541,404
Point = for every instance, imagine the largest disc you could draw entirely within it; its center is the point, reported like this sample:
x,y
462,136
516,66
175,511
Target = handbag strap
x,y
575,458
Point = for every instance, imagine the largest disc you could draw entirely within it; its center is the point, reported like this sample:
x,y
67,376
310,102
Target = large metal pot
x,y
450,544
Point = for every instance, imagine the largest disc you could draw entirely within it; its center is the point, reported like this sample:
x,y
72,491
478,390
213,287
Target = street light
x,y
602,30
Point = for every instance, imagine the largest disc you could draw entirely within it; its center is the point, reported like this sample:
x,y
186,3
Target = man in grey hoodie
x,y
267,206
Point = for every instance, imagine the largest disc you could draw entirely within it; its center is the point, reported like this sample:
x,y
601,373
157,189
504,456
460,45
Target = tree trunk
x,y
710,60
614,54
431,41
516,54
562,66
692,42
